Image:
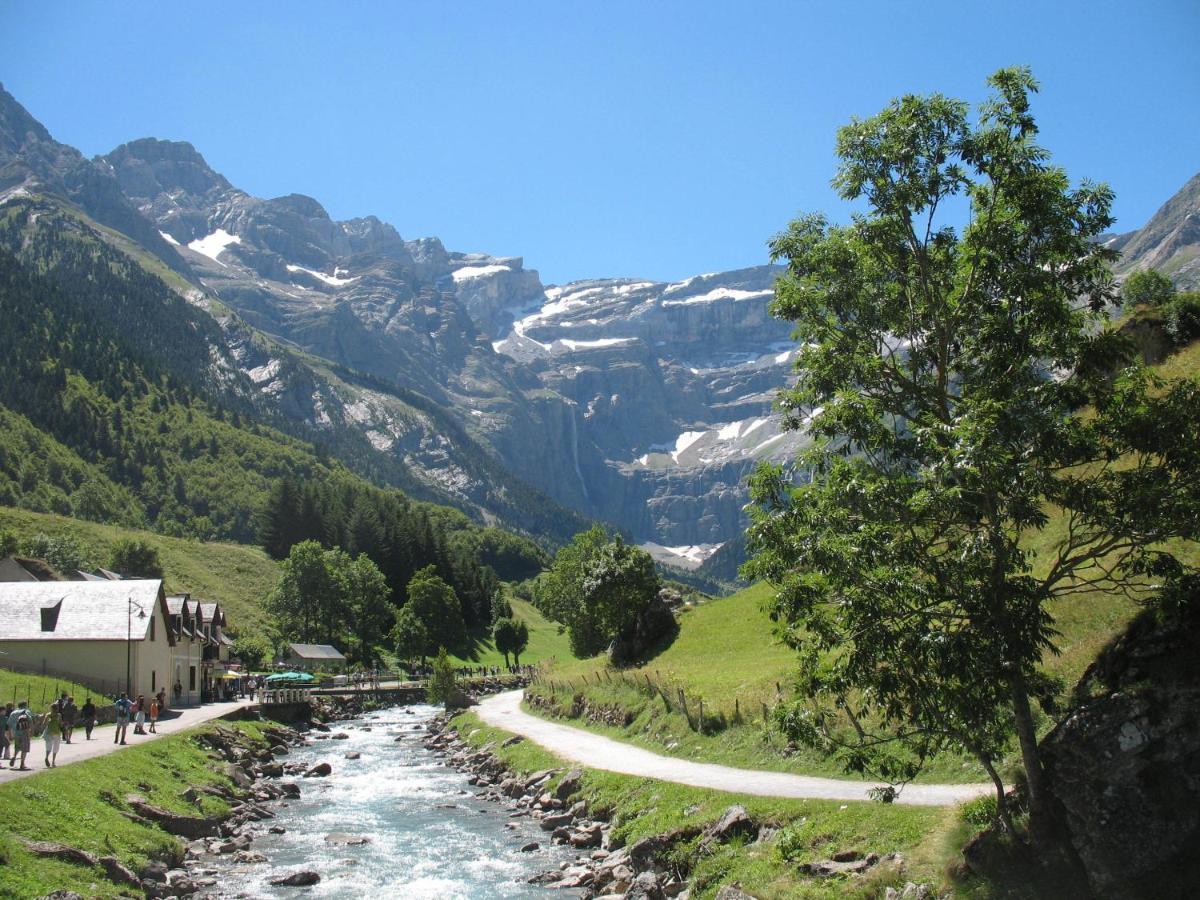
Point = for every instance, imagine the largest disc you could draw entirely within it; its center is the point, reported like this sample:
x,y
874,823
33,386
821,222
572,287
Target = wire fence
x,y
701,717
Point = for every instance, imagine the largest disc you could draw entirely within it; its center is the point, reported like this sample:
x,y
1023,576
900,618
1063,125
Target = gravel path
x,y
102,744
598,752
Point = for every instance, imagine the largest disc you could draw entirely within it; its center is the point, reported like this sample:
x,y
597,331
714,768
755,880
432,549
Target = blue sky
x,y
647,139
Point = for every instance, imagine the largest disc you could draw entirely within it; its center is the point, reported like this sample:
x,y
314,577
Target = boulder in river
x,y
344,839
320,770
297,879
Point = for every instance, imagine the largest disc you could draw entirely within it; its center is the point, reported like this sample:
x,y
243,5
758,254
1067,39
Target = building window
x,y
154,679
191,678
152,628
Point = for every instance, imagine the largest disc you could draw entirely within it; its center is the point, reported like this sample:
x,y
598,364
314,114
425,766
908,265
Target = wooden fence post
x,y
700,717
766,716
737,712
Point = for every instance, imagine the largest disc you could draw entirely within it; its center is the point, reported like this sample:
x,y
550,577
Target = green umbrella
x,y
290,676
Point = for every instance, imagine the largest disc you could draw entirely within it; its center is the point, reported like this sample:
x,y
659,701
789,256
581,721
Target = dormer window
x,y
50,616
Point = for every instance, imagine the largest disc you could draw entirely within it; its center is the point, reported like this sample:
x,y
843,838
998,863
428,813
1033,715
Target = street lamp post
x,y
129,640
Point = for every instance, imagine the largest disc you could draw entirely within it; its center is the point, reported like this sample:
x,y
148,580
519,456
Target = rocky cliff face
x,y
1169,242
642,403
649,402
1125,765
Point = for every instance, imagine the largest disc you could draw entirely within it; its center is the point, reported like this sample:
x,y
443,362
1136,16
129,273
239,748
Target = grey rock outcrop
x,y
1125,765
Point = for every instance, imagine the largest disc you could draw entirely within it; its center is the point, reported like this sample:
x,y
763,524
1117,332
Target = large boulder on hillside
x,y
1125,765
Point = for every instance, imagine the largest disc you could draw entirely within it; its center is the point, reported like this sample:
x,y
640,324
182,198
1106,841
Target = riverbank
x,y
694,842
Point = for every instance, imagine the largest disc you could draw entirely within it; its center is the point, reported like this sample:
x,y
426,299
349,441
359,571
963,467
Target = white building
x,y
109,635
188,653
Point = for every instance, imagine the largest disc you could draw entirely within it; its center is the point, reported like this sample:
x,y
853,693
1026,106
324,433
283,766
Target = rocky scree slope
x,y
651,401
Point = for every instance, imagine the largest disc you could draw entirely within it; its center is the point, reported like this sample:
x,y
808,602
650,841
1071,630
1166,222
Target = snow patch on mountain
x,y
214,245
334,280
719,294
588,345
469,273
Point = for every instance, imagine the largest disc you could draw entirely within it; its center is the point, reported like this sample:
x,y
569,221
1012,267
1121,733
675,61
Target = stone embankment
x,y
604,867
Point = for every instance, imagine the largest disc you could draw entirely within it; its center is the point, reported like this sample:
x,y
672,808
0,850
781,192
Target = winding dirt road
x,y
598,752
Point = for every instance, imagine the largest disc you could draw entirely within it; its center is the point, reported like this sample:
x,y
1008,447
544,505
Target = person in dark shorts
x,y
88,714
5,734
20,723
70,715
123,708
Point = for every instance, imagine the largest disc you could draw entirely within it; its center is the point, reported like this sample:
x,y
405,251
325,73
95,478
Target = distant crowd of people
x,y
19,724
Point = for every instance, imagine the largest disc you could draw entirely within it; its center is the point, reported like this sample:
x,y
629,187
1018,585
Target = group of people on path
x,y
139,710
19,725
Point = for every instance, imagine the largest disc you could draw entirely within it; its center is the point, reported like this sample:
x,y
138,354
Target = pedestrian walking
x,y
154,715
139,711
5,734
20,724
52,732
88,713
70,714
124,709
162,700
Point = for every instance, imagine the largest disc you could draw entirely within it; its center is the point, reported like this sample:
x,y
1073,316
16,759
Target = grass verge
x,y
83,805
808,830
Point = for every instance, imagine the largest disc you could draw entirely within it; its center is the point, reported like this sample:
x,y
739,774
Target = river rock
x,y
570,784
733,892
154,871
353,754
343,839
531,846
588,838
277,829
550,823
828,868
734,822
645,887
297,879
173,823
320,770
118,872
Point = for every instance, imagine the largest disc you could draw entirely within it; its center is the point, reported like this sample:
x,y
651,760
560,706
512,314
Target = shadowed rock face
x,y
31,161
1125,766
1169,242
641,403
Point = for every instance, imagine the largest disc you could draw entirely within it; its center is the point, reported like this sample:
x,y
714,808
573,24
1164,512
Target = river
x,y
429,836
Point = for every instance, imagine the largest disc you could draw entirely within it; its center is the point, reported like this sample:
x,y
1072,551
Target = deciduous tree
x,y
940,374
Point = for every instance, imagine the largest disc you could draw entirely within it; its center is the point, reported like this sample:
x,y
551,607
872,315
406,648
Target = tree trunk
x,y
1002,811
1040,818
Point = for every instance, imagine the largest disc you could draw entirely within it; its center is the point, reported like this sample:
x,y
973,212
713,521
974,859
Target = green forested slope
x,y
236,576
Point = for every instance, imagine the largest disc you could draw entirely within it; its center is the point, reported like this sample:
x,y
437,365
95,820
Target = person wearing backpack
x,y
52,732
123,707
20,723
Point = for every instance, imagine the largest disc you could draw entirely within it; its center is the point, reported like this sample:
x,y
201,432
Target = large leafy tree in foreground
x,y
942,375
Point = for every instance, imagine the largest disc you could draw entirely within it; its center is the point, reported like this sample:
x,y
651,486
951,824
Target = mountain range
x,y
461,377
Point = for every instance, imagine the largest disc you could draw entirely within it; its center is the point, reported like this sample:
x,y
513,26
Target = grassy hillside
x,y
546,645
83,806
236,576
726,651
39,691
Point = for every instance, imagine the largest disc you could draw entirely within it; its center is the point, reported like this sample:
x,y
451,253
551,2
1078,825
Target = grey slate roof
x,y
316,651
87,610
